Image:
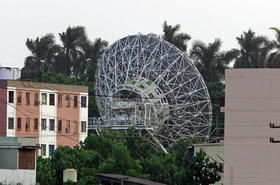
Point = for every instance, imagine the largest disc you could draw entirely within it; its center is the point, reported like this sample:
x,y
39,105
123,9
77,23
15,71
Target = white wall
x,y
11,111
26,177
48,112
83,117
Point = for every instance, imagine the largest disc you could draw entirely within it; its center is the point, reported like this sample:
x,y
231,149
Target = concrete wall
x,y
26,177
252,102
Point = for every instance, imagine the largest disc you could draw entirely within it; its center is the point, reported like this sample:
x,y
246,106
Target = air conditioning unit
x,y
37,102
68,97
67,130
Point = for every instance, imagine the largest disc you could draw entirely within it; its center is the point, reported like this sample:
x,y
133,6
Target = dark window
x,y
11,96
83,126
27,124
10,123
68,98
19,97
59,127
36,99
51,150
44,99
83,101
75,101
44,124
36,121
52,124
67,130
19,123
52,99
43,149
59,100
28,98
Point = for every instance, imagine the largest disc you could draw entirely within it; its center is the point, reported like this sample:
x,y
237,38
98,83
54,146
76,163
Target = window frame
x,y
27,98
52,99
43,124
59,126
11,96
51,124
44,98
83,101
19,123
83,126
75,101
9,123
43,149
36,123
19,97
27,124
51,152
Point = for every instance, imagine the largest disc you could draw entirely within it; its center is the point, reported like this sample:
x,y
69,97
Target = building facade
x,y
55,114
252,127
18,160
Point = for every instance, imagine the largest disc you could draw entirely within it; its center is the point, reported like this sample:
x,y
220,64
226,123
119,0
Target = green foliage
x,y
45,172
123,152
199,170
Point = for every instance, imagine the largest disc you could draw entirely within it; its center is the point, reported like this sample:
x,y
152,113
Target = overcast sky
x,y
111,20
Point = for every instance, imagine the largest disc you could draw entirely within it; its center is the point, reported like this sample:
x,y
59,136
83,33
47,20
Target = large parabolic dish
x,y
146,82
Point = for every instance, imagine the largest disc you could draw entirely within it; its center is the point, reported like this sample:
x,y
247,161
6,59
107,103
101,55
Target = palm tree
x,y
178,39
43,52
93,53
210,61
74,42
274,57
254,51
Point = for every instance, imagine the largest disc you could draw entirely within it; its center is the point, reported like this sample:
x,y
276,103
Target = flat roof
x,y
43,85
127,179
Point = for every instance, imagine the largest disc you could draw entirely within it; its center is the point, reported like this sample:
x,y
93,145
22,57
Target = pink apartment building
x,y
55,114
252,127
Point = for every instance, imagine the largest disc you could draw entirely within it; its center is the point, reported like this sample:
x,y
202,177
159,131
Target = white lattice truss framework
x,y
146,82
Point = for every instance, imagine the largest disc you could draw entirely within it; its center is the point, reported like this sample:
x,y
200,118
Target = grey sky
x,y
113,19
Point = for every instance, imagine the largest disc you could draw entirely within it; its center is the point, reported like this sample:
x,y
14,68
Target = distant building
x,y
18,160
215,153
55,114
252,127
9,73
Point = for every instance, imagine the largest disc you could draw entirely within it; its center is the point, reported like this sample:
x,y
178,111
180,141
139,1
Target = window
x,y
44,99
83,101
59,127
43,149
36,123
52,124
44,124
28,98
18,123
68,98
52,99
83,126
51,150
67,130
59,100
11,96
27,124
19,97
36,99
10,123
75,101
